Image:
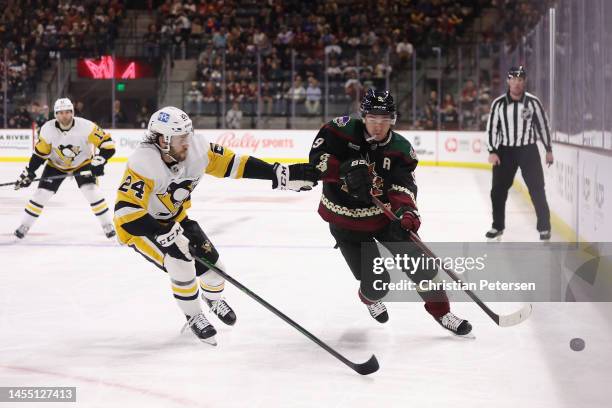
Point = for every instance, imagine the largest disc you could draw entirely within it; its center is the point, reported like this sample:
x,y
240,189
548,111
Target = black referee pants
x,y
528,159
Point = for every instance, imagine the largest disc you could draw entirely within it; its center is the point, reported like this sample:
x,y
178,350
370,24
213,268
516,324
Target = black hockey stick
x,y
501,320
61,176
366,368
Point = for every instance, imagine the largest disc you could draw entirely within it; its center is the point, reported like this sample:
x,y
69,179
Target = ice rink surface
x,y
79,310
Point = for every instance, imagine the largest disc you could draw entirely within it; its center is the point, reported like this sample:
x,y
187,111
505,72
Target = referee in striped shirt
x,y
517,120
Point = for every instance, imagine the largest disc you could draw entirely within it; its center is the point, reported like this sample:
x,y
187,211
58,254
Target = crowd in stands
x,y
361,40
33,32
469,111
285,56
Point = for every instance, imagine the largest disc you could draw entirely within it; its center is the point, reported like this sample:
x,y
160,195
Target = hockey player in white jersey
x,y
68,144
152,202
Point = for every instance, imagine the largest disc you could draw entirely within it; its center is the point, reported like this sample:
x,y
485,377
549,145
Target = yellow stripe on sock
x,y
212,288
99,207
185,291
33,209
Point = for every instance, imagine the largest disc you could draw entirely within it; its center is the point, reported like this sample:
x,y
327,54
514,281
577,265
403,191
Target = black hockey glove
x,y
97,166
296,177
356,176
25,178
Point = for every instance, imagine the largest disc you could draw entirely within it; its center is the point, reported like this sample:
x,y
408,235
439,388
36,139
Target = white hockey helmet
x,y
63,104
168,122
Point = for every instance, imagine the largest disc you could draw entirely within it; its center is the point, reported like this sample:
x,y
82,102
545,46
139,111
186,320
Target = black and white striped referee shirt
x,y
517,123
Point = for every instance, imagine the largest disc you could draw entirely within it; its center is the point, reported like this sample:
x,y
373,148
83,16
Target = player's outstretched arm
x,y
223,162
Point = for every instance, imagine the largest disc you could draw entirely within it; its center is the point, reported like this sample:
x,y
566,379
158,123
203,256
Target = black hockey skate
x,y
201,327
378,311
494,235
544,235
455,325
21,231
222,310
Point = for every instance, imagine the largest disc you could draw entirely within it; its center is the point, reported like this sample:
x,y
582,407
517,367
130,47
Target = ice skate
x,y
109,231
456,325
21,231
378,311
201,327
222,310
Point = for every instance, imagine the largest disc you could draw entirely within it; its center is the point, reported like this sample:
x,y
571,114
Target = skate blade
x,y
211,340
469,336
496,239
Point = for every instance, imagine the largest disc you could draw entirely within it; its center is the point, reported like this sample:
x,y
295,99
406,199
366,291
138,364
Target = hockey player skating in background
x,y
358,157
68,144
152,202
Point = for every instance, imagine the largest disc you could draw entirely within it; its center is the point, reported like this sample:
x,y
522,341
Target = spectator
x,y
42,116
431,112
469,93
233,118
151,42
194,99
448,113
313,96
297,92
404,50
78,108
353,89
142,118
118,115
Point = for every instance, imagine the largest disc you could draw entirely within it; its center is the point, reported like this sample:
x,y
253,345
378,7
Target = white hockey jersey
x,y
151,186
73,148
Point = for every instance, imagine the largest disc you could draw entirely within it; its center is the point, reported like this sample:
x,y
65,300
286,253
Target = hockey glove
x,y
25,178
410,221
97,166
356,176
171,238
296,177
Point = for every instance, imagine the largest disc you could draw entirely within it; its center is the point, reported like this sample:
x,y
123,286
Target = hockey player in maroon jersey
x,y
359,157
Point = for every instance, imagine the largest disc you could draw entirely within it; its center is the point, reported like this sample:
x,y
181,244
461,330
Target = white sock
x,y
184,285
93,194
212,284
35,206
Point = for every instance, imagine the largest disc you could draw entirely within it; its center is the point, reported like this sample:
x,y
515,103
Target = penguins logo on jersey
x,y
68,153
176,195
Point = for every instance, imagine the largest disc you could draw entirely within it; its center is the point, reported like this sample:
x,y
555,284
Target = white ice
x,y
78,310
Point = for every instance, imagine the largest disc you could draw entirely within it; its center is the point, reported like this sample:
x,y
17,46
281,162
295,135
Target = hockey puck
x,y
577,344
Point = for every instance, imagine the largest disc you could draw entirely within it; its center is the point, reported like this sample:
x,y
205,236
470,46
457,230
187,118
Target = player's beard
x,y
178,156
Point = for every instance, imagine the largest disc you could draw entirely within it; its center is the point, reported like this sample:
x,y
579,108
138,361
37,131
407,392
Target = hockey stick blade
x,y
502,321
515,318
366,368
369,367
